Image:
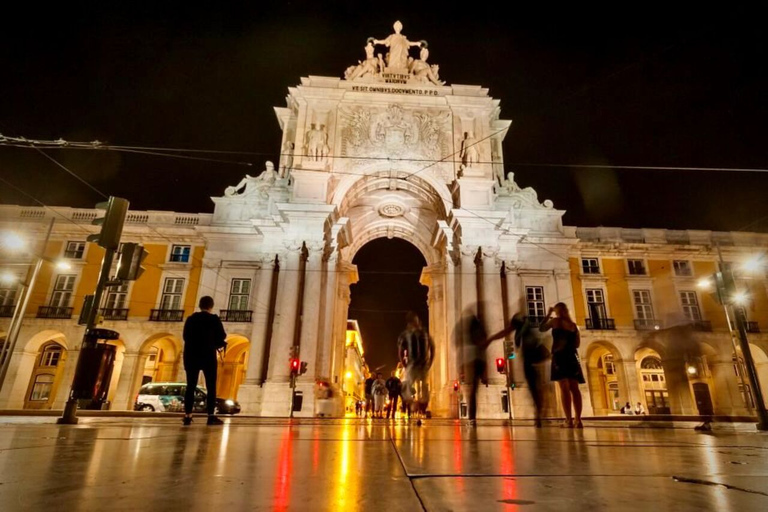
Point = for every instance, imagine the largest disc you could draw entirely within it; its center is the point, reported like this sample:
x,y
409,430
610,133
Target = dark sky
x,y
635,84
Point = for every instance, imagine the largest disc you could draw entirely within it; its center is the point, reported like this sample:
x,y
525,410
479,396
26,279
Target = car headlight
x,y
229,402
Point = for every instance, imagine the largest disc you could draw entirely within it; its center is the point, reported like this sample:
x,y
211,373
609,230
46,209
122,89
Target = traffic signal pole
x,y
726,288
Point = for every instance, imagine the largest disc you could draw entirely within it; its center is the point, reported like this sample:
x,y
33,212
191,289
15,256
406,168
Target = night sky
x,y
634,85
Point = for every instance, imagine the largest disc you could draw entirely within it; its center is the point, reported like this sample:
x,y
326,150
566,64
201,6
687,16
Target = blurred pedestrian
x,y
204,335
639,409
379,390
369,395
534,354
566,365
394,388
475,361
415,350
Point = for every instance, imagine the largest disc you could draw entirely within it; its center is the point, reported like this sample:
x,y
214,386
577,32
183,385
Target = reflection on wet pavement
x,y
253,464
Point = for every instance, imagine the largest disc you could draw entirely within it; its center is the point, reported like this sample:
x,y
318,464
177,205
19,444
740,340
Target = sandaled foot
x,y
567,424
578,424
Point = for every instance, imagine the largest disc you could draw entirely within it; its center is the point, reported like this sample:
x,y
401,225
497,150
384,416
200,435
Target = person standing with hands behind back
x,y
204,335
566,365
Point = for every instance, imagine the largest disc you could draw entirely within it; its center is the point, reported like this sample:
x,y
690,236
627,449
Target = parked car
x,y
169,397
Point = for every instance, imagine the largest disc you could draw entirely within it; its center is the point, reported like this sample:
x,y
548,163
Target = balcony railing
x,y
702,325
753,327
166,315
7,311
115,313
600,324
236,315
647,324
54,312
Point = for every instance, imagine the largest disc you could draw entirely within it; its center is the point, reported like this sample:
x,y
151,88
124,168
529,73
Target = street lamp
x,y
8,278
754,264
63,265
14,242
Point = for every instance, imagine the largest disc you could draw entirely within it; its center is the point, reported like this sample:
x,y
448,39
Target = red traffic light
x,y
294,366
501,365
455,385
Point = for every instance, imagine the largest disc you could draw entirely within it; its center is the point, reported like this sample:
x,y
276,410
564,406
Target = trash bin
x,y
464,409
298,400
93,375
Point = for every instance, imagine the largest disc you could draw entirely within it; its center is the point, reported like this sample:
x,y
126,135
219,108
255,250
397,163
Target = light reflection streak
x,y
508,468
342,479
284,473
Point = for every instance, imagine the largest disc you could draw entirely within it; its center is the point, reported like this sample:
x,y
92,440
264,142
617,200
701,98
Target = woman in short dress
x,y
566,365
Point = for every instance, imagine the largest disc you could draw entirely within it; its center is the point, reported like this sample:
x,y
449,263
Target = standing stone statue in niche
x,y
317,143
254,184
397,57
469,153
286,160
370,66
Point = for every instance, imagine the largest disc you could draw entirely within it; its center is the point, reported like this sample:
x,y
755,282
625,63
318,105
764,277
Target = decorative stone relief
x,y
395,131
391,208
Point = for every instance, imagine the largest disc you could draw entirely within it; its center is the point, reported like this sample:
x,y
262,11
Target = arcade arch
x,y
47,353
605,377
761,365
232,366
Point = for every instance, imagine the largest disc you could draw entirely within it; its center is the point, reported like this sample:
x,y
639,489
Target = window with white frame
x,y
239,294
51,355
682,268
590,266
8,293
180,253
534,298
172,290
74,250
41,389
117,297
636,267
62,291
690,303
596,303
643,305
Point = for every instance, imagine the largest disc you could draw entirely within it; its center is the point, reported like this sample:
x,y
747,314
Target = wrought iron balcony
x,y
751,327
54,312
236,315
7,311
600,324
647,324
702,325
115,313
166,315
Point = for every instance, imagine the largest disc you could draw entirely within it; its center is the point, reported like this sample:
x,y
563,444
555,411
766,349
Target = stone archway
x,y
606,378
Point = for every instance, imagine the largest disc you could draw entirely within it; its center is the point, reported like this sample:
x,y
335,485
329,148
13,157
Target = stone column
x,y
493,312
631,382
311,310
285,315
326,338
253,374
124,393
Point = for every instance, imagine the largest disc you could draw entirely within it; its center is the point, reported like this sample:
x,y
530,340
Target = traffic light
x,y
303,368
295,366
455,385
111,223
501,365
129,266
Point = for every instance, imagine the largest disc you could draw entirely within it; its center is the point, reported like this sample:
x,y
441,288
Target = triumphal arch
x,y
390,150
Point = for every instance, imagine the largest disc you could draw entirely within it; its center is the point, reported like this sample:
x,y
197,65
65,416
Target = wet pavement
x,y
271,464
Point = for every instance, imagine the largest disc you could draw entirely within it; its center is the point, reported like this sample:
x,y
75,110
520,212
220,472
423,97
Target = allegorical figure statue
x,y
254,184
370,66
421,70
398,44
469,154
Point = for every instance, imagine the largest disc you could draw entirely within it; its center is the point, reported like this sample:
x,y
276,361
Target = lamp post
x,y
6,352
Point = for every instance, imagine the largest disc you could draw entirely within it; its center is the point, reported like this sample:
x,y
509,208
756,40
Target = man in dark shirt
x,y
394,387
204,335
369,394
